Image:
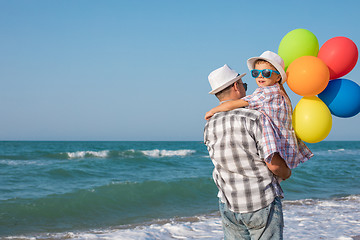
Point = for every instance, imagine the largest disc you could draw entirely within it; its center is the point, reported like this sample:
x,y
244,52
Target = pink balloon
x,y
340,54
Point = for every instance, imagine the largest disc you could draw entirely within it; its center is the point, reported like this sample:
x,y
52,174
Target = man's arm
x,y
277,164
227,106
279,167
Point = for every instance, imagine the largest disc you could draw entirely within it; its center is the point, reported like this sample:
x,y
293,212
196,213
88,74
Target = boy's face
x,y
264,82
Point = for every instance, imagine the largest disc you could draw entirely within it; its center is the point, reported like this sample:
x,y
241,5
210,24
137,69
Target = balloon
x,y
340,54
312,119
307,76
298,43
342,96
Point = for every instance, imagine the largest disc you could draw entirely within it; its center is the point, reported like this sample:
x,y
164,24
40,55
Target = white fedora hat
x,y
272,58
223,77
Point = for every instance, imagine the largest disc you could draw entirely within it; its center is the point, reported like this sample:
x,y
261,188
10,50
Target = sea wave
x,y
304,219
168,153
337,152
132,153
129,153
83,154
118,202
19,162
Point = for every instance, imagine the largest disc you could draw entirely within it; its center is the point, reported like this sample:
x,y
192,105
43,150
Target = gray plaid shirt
x,y
234,140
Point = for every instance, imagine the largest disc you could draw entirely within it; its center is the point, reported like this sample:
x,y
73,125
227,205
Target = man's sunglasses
x,y
266,73
245,86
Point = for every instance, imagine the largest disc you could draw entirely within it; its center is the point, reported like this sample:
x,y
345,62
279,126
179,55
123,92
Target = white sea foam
x,y
304,219
20,162
323,219
340,152
82,154
337,150
168,153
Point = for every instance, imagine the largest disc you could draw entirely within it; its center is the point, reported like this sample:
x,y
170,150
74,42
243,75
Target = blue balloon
x,y
342,96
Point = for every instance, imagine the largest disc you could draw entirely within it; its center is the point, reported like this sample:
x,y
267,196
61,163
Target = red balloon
x,y
340,54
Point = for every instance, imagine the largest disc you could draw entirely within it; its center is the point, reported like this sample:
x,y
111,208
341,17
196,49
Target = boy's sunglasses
x,y
266,73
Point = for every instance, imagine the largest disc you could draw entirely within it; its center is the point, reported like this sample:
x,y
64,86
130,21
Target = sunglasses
x,y
266,73
245,86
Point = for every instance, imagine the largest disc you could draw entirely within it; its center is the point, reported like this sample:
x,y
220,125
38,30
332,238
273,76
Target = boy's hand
x,y
208,115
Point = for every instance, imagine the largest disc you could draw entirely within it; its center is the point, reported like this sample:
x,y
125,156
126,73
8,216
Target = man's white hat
x,y
223,77
272,58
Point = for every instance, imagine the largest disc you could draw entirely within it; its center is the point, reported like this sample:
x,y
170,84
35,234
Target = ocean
x,y
160,190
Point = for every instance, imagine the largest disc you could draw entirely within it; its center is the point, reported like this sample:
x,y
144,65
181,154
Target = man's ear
x,y
236,86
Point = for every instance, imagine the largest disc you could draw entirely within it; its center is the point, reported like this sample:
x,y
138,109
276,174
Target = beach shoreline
x,y
337,218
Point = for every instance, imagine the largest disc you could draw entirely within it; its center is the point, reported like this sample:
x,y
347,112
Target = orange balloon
x,y
307,76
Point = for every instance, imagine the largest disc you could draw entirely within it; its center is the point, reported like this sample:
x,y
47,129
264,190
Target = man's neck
x,y
227,100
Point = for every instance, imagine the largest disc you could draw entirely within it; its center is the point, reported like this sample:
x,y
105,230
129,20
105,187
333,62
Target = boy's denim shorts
x,y
266,223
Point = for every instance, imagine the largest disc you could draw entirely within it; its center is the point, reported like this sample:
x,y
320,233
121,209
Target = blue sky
x,y
137,70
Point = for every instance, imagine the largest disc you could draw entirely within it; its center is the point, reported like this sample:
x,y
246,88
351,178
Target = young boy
x,y
271,99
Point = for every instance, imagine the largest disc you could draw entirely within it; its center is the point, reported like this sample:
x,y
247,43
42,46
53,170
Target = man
x,y
249,194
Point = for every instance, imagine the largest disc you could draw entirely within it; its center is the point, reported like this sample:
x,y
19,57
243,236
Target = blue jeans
x,y
266,223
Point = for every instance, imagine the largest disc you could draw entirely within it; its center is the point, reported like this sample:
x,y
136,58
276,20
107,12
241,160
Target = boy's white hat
x,y
223,77
272,58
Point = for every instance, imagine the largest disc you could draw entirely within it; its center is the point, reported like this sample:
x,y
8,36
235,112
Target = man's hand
x,y
208,115
279,167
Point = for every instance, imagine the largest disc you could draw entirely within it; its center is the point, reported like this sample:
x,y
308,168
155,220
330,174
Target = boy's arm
x,y
227,106
279,167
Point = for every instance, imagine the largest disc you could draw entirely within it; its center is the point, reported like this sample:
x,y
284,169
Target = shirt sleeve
x,y
259,98
266,146
258,136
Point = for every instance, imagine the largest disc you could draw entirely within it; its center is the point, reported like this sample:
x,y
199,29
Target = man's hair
x,y
223,93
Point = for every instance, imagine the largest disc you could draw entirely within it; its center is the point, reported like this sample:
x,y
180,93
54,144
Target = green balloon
x,y
298,43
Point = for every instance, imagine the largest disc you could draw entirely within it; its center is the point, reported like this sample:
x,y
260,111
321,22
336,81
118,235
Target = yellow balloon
x,y
312,120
